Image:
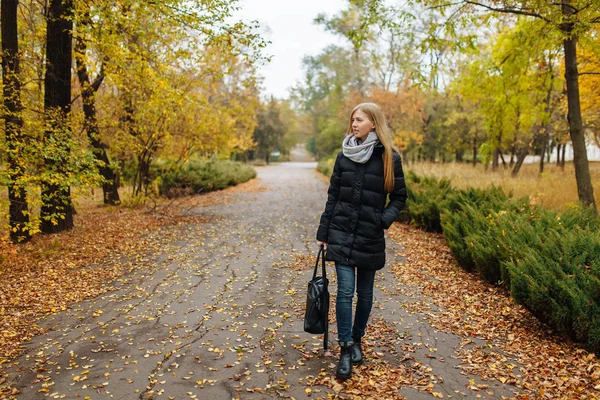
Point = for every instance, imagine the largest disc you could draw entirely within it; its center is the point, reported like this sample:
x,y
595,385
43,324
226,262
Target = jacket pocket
x,y
378,220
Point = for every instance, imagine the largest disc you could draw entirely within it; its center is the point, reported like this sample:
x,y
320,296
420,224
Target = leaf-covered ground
x,y
204,298
519,351
51,272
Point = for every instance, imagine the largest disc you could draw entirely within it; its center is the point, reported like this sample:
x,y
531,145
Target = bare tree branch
x,y
509,10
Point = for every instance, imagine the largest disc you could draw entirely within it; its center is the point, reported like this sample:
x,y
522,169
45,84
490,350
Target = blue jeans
x,y
347,277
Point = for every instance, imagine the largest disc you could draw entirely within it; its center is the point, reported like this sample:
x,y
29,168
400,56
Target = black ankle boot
x,y
356,353
344,368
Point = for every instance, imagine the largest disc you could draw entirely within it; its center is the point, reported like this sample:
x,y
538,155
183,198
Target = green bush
x,y
426,198
550,261
200,176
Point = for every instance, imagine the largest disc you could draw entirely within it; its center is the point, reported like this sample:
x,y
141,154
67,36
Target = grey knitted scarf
x,y
359,152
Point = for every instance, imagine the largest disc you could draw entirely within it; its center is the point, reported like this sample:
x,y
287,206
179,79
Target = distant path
x,y
300,154
218,315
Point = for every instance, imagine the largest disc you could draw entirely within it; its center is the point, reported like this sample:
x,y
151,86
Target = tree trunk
x,y
57,209
13,122
520,158
458,155
474,152
543,152
496,159
547,129
497,153
513,154
142,176
562,158
503,160
88,91
585,189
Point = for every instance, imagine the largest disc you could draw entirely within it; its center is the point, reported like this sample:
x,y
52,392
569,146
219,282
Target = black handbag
x,y
316,318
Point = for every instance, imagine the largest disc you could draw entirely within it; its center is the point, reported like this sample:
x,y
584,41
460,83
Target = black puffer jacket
x,y
355,214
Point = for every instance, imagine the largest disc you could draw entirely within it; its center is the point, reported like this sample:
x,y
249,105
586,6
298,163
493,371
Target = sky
x,y
289,26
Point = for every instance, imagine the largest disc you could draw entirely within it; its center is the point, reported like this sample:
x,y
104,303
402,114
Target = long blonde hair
x,y
374,113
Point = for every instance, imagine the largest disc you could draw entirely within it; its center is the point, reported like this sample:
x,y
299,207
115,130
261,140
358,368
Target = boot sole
x,y
343,377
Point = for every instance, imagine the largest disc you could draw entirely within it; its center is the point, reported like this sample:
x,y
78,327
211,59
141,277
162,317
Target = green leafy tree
x,y
270,130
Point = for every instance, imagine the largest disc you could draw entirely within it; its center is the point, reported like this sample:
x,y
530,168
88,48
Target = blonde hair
x,y
374,113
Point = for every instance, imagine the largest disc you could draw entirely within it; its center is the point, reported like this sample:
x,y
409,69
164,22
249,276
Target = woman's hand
x,y
319,243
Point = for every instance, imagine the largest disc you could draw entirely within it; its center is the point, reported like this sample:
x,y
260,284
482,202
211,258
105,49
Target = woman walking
x,y
366,171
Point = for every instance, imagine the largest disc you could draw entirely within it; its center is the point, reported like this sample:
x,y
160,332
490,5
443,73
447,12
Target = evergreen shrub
x,y
549,261
426,198
200,175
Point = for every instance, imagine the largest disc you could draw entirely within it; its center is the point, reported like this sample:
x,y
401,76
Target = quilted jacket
x,y
356,212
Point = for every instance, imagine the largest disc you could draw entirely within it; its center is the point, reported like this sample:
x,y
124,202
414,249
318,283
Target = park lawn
x,y
555,188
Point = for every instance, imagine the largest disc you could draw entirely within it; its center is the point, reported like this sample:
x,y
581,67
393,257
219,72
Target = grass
x,y
555,188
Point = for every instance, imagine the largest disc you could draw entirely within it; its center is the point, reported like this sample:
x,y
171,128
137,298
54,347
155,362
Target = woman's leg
x,y
343,305
364,288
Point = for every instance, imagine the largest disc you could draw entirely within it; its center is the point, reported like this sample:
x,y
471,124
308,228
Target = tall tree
x,y
57,210
269,131
569,26
17,195
88,95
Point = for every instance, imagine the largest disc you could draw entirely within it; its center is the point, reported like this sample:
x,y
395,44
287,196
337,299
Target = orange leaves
x,y
404,111
520,351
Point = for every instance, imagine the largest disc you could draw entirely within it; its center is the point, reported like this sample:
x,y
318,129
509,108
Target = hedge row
x,y
550,261
200,175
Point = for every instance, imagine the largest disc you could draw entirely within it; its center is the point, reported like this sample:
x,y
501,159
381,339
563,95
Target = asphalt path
x,y
216,313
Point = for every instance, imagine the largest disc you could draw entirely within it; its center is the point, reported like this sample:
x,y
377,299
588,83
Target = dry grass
x,y
555,188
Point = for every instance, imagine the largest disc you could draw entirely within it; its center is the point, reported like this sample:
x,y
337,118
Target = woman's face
x,y
361,125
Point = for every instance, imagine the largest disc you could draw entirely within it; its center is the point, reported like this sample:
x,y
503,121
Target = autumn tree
x,y
153,79
270,129
88,89
13,123
57,211
145,72
404,109
590,86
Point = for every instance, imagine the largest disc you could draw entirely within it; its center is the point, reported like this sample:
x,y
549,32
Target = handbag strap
x,y
320,255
